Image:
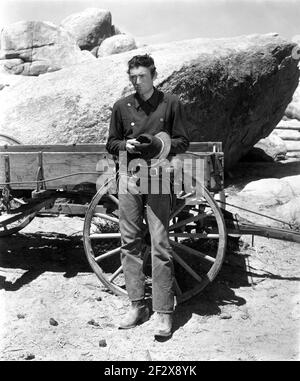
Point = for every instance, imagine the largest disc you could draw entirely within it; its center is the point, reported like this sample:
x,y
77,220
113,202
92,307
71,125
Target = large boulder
x,y
282,195
116,44
234,90
89,27
290,211
268,192
269,149
38,47
273,146
272,191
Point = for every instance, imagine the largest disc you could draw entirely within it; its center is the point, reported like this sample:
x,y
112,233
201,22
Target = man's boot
x,y
164,325
137,314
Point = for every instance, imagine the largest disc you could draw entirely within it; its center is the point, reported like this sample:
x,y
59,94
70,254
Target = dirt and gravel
x,y
53,306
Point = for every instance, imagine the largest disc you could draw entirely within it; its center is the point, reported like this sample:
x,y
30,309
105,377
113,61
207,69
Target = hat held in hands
x,y
154,146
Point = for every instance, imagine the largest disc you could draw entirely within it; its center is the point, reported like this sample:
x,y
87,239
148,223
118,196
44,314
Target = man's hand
x,y
131,144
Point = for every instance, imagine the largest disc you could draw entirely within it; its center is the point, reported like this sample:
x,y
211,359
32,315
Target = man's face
x,y
141,79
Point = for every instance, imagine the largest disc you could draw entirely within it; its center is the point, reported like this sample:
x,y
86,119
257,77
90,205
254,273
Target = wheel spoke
x,y
114,199
187,267
105,235
108,254
188,294
186,221
189,250
194,235
177,211
116,273
107,217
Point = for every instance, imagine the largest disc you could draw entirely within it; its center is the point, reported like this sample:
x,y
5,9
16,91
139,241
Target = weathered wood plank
x,y
98,148
59,164
70,209
66,169
24,167
95,148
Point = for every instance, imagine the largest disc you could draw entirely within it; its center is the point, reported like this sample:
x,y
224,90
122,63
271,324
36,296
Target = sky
x,y
159,21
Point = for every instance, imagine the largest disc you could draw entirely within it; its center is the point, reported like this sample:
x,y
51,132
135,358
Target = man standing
x,y
148,111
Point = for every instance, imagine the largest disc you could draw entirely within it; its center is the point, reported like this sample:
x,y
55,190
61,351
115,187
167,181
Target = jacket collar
x,y
154,100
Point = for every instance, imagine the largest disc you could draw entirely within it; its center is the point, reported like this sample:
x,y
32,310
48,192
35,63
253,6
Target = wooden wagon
x,y
34,179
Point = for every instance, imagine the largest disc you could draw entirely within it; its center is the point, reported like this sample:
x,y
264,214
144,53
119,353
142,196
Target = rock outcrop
x,y
116,44
289,131
290,211
273,146
234,90
269,191
37,47
89,27
283,194
293,109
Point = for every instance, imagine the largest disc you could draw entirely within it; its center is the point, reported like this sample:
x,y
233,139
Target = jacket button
x,y
132,123
161,119
129,104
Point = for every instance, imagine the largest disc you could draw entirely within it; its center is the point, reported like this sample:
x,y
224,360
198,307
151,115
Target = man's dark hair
x,y
142,60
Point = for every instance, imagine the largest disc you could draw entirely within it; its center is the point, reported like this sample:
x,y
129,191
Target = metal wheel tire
x,y
9,140
106,263
11,223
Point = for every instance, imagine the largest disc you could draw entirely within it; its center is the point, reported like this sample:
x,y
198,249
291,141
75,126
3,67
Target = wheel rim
x,y
112,275
9,140
8,228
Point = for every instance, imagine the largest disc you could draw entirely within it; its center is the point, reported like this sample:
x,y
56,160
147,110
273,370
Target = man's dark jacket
x,y
131,117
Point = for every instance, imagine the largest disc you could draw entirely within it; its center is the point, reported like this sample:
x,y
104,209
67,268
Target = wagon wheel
x,y
11,223
191,228
198,236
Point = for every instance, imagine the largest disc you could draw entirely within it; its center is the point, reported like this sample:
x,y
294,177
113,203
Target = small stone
x,y
245,316
53,322
99,299
102,343
21,316
225,315
93,322
108,325
29,356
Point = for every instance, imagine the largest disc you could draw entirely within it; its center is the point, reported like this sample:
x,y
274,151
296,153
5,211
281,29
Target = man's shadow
x,y
39,252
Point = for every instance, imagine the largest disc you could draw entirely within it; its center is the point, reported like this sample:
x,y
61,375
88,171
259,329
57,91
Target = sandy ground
x,y
54,308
